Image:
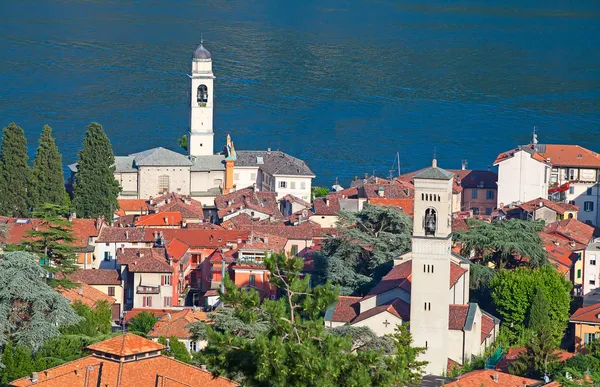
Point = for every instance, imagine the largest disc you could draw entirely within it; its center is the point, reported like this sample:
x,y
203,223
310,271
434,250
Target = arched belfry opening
x,y
430,221
202,95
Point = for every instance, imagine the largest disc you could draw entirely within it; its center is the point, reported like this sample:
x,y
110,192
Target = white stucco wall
x,y
151,279
203,181
128,181
381,324
580,196
297,183
119,293
252,212
521,178
244,177
179,180
324,220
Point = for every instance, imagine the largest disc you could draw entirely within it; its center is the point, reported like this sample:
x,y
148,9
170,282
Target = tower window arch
x,y
430,221
202,95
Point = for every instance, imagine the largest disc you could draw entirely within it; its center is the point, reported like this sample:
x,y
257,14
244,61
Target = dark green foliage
x,y
14,172
364,339
143,323
183,142
513,293
17,361
504,242
47,184
175,348
52,239
96,189
539,356
296,349
95,321
31,312
319,192
369,241
578,367
480,276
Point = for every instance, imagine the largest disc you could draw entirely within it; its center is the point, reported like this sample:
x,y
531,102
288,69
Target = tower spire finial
x,y
434,161
535,140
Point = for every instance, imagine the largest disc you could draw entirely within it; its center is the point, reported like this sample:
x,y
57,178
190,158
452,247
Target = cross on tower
x,y
386,323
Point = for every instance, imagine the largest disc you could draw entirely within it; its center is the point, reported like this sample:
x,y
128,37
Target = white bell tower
x,y
200,142
430,296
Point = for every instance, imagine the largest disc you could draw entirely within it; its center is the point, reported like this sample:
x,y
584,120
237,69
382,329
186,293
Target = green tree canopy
x,y
95,321
142,323
96,189
183,142
31,312
47,182
296,349
368,243
14,172
504,242
52,240
513,294
175,348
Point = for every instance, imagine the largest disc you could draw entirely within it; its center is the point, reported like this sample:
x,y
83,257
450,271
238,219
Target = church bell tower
x,y
430,297
201,135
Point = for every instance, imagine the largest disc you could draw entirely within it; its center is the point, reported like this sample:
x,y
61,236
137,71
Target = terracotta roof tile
x,y
83,231
559,208
571,155
303,231
326,206
513,354
135,311
125,345
96,276
457,316
261,201
573,229
159,219
196,238
188,207
456,271
132,205
407,204
85,294
485,378
121,234
391,190
588,314
176,248
346,309
397,307
144,260
487,326
400,276
175,324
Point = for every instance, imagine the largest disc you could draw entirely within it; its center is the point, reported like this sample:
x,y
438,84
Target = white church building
x,y
428,287
202,174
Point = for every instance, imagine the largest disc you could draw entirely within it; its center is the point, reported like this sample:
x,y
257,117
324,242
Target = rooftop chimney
x,y
327,202
80,290
126,234
464,164
495,377
203,367
166,219
266,239
34,377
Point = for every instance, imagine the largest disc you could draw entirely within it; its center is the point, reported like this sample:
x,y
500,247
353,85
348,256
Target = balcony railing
x,y
148,289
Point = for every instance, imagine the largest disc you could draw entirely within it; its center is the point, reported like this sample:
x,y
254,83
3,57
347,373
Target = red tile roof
x,y
294,199
458,316
485,378
125,345
456,271
571,155
83,230
562,259
188,207
85,294
144,260
17,229
121,234
587,315
176,248
573,229
559,208
135,311
198,238
176,324
159,219
261,201
391,190
132,205
513,354
528,148
96,276
487,326
326,206
398,307
407,204
346,309
303,231
400,276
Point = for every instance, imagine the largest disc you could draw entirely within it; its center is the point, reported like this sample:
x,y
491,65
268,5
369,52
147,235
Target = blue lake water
x,y
342,84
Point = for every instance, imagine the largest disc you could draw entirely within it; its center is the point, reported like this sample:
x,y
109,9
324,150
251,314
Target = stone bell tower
x,y
201,139
431,257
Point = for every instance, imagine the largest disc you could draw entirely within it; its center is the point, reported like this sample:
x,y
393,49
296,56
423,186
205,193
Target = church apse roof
x,y
160,157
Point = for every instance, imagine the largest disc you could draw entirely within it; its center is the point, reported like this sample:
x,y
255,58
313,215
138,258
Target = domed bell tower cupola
x,y
201,103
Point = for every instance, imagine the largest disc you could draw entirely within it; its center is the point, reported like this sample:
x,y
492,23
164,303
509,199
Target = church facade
x,y
202,174
428,287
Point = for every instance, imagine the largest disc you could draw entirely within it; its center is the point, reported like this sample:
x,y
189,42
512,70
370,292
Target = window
x,y
473,194
303,185
589,191
163,184
589,337
253,176
475,210
592,279
193,346
282,184
236,176
147,301
167,302
428,306
488,211
588,206
589,222
490,194
202,95
129,295
111,291
572,202
578,273
165,280
106,256
294,250
252,279
107,244
592,259
571,190
292,185
217,182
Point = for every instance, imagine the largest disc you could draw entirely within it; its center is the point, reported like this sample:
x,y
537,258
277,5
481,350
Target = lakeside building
x,y
566,173
201,174
428,286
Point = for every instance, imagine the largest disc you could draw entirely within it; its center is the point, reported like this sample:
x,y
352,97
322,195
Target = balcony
x,y
148,289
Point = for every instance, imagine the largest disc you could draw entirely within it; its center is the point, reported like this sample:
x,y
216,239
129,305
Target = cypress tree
x,y
14,172
96,189
47,183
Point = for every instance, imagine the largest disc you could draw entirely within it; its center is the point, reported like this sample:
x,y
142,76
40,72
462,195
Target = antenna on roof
x,y
534,140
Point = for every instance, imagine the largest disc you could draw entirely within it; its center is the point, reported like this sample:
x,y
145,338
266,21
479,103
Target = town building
x,y
201,174
111,239
586,325
492,378
591,268
126,360
107,281
428,287
175,324
539,209
478,190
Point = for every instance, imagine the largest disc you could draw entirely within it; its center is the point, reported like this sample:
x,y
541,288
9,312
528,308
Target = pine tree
x,y
14,172
96,189
47,183
17,362
52,240
142,323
